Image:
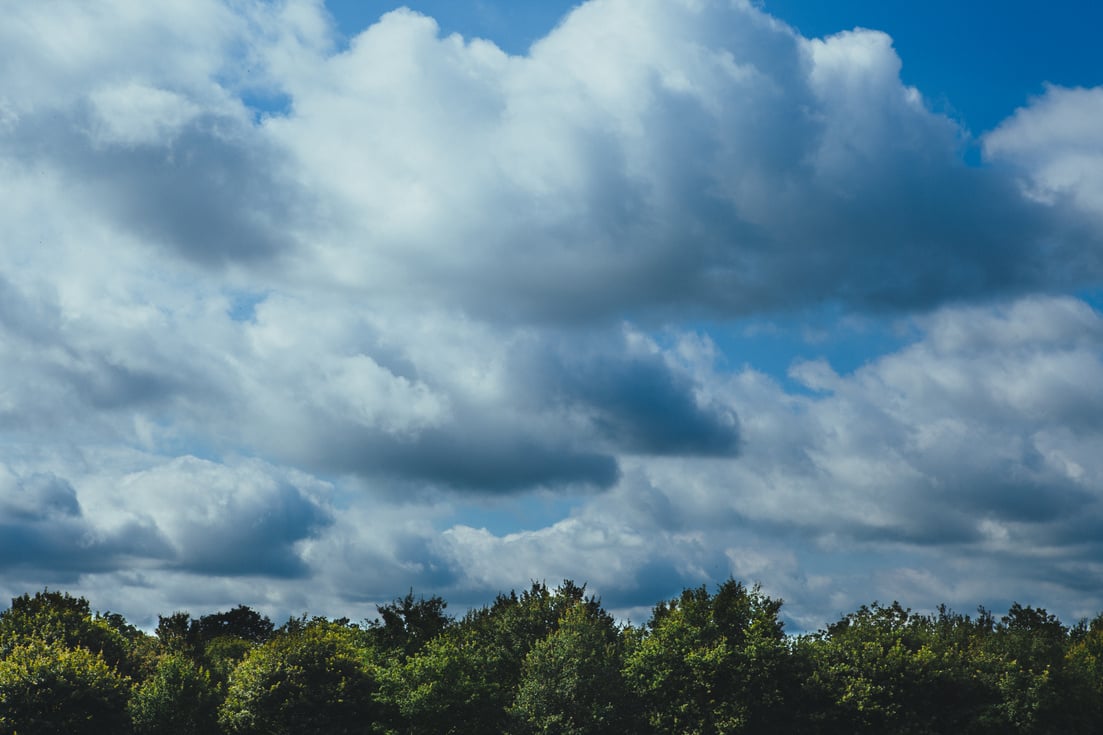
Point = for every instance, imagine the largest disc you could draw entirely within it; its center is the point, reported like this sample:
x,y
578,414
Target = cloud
x,y
1054,141
228,520
186,515
39,497
969,449
642,401
45,533
277,308
651,157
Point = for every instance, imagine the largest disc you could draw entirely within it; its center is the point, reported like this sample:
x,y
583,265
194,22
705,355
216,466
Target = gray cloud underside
x,y
442,280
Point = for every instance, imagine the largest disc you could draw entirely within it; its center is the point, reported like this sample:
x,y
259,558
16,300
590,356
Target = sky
x,y
304,305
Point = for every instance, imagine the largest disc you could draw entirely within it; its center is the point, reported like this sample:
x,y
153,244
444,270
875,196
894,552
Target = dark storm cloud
x,y
558,413
497,463
650,582
1005,497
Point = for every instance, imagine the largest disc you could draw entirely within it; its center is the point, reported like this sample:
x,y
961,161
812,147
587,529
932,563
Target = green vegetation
x,y
549,662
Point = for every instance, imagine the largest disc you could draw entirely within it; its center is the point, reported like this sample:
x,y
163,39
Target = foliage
x,y
1083,679
178,633
47,688
222,655
241,622
549,661
57,617
1030,643
464,680
712,664
571,681
406,625
883,669
216,642
444,689
178,699
316,680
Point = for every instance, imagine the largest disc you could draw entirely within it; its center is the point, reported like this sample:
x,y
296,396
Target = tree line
x,y
548,661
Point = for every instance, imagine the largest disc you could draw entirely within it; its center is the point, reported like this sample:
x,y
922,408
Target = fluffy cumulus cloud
x,y
1055,144
965,461
414,311
648,157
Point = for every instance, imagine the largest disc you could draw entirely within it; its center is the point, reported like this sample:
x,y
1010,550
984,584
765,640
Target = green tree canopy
x,y
58,617
47,688
711,664
179,698
571,681
464,680
241,622
407,624
317,680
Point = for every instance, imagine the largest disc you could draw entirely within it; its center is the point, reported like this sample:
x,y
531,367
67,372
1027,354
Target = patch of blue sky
x,y
1093,297
773,345
513,26
243,305
265,104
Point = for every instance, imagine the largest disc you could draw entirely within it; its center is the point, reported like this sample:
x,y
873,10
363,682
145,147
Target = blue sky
x,y
305,304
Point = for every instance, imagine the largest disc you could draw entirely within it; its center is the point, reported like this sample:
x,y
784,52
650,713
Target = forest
x,y
547,661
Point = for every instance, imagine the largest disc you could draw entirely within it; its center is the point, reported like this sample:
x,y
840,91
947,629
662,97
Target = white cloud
x,y
60,51
441,272
243,519
1056,142
970,449
134,114
644,156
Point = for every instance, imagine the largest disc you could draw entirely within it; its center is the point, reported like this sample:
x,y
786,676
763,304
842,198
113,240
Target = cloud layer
x,y
418,312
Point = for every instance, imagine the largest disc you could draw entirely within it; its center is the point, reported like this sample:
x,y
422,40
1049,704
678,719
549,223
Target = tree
x,y
315,681
712,664
179,698
449,687
571,682
179,633
47,688
406,624
57,617
887,669
1032,644
241,622
1082,690
216,642
222,655
465,679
